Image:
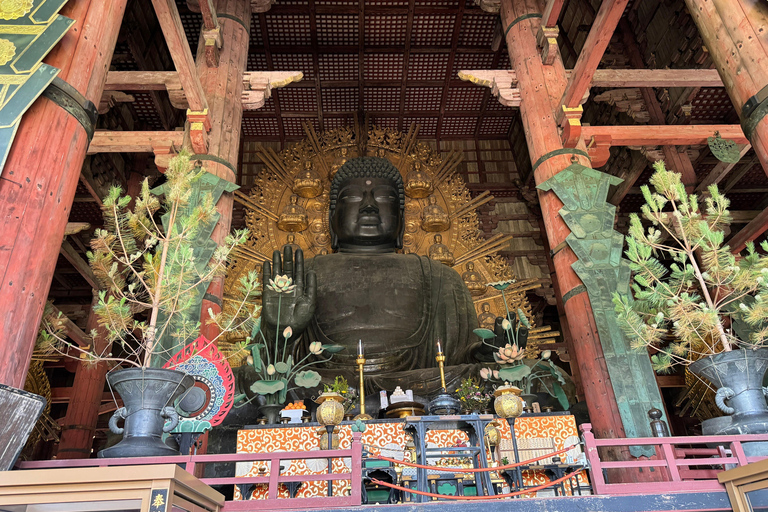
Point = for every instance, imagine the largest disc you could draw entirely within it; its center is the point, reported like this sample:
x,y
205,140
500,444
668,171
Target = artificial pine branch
x,y
687,285
148,269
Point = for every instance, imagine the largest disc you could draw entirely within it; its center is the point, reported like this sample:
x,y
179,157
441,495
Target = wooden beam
x,y
70,329
748,233
62,395
610,78
138,80
170,22
735,177
210,22
721,170
615,78
132,142
592,52
74,258
552,13
630,176
676,135
671,381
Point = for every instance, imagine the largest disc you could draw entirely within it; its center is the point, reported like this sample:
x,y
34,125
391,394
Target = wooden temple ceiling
x,y
397,61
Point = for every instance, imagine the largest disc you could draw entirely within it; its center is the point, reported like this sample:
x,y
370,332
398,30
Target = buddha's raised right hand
x,y
286,305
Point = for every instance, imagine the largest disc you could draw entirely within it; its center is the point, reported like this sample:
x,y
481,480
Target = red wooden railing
x,y
689,466
274,479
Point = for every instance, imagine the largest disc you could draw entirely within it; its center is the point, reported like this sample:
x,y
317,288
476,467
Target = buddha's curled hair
x,y
367,167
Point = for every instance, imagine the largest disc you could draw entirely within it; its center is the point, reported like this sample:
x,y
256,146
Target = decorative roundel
x,y
211,398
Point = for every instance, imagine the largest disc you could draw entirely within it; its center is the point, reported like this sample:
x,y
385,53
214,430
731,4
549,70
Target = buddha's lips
x,y
369,219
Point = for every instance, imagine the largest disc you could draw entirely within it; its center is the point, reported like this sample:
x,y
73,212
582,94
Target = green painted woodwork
x,y
28,31
447,488
203,249
603,271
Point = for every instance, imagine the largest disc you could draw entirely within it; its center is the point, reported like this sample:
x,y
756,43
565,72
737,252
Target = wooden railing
x,y
273,480
691,462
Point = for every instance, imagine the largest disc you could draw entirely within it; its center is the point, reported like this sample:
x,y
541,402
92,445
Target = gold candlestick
x,y
360,363
440,358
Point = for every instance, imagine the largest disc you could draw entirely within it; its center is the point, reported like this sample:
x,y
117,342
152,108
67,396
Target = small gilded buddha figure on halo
x,y
473,280
486,319
291,242
434,218
343,157
293,217
439,252
307,182
418,184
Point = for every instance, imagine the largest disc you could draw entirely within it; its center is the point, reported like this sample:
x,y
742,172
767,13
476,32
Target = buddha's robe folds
x,y
399,306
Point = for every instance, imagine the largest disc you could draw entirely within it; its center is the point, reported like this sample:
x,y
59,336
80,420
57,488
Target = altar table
x,y
386,438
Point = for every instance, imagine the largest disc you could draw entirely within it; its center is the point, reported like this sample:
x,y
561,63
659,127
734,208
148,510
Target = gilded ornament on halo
x,y
7,51
294,217
14,9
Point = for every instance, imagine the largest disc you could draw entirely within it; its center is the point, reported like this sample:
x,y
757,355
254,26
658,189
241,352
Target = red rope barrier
x,y
507,495
473,470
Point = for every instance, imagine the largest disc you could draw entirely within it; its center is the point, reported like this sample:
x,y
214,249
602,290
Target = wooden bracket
x,y
571,125
503,84
199,126
111,98
213,42
599,149
547,41
175,92
489,6
164,151
261,5
257,86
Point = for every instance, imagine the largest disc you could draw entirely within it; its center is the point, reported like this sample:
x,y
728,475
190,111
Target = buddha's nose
x,y
368,205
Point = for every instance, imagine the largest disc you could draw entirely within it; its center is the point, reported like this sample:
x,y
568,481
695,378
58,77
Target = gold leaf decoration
x,y
14,9
7,51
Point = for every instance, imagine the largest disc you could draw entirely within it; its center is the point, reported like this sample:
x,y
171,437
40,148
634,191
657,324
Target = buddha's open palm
x,y
287,304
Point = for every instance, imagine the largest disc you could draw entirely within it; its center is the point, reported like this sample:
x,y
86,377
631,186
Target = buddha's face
x,y
367,217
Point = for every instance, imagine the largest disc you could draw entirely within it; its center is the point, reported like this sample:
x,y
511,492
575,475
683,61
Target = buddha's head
x,y
367,201
486,307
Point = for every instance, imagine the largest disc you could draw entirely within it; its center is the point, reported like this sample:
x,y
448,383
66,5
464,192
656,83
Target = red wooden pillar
x,y
736,35
223,86
40,178
79,424
541,87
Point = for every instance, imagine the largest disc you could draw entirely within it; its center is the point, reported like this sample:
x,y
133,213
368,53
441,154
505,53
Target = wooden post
x,y
223,86
541,88
734,32
40,179
79,424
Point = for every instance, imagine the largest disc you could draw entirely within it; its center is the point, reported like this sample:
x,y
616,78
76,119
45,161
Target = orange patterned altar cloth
x,y
387,438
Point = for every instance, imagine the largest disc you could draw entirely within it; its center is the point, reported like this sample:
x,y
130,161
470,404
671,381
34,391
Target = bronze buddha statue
x,y
399,305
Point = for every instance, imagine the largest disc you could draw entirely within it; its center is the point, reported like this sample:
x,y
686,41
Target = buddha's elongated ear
x,y
334,238
400,230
